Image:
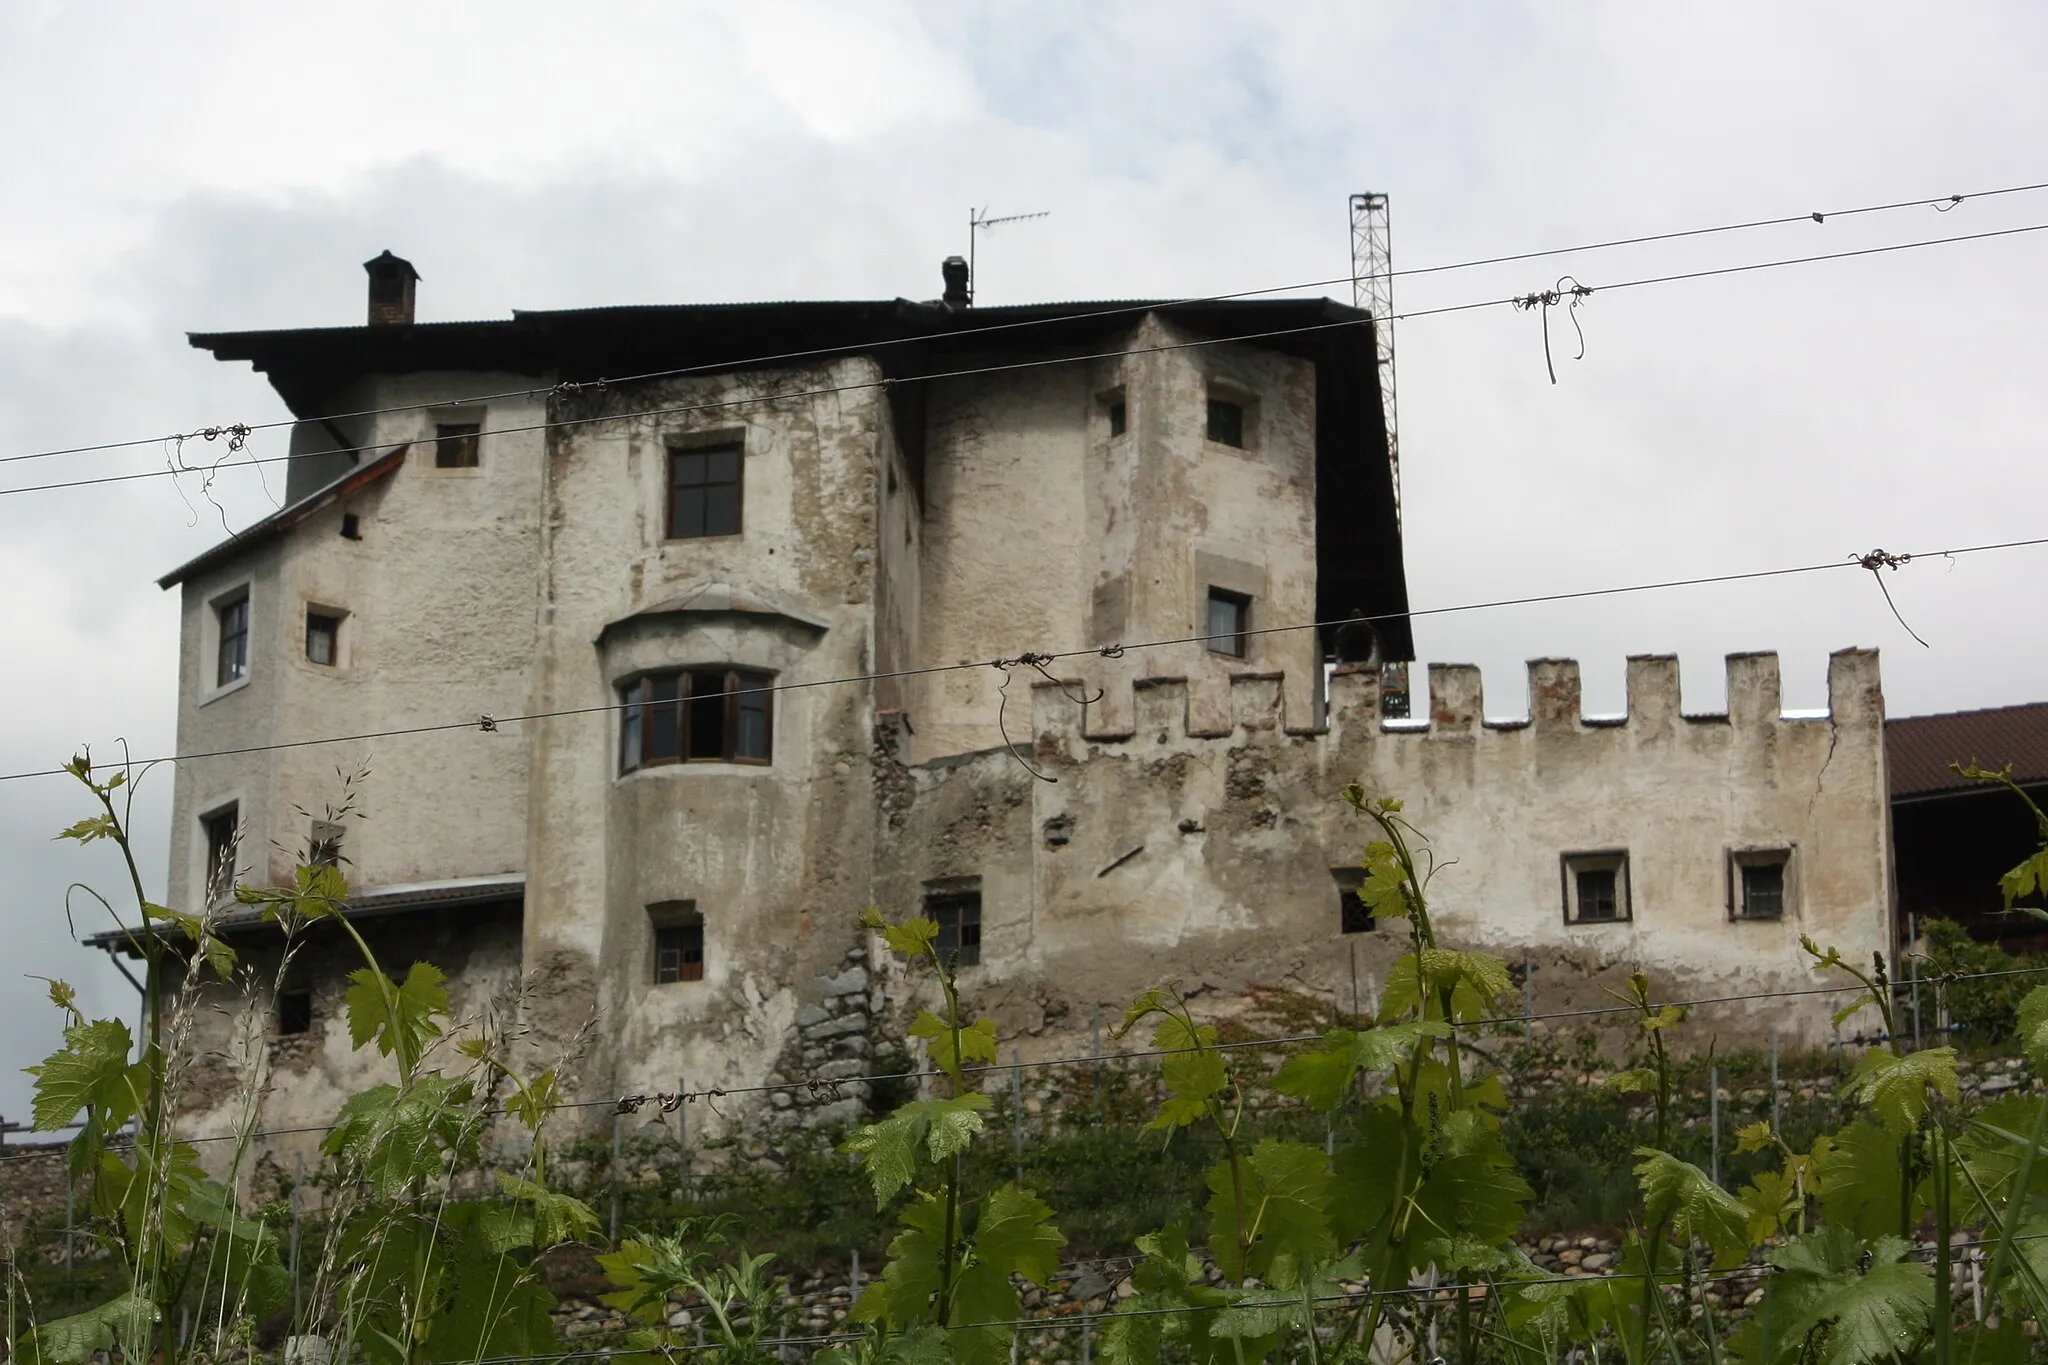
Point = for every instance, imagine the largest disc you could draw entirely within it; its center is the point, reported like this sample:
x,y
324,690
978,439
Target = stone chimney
x,y
391,290
958,293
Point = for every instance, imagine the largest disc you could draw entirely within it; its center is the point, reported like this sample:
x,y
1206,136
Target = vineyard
x,y
1409,1186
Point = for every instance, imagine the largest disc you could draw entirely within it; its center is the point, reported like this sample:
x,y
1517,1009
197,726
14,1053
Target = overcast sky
x,y
178,166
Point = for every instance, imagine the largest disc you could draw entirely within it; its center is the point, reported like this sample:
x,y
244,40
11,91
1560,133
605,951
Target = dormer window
x,y
697,715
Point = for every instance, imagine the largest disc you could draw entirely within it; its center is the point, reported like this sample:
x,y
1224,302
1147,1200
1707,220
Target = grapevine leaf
x,y
1474,980
90,1072
903,1296
977,1043
1873,1299
1753,1137
317,891
91,828
1682,1195
2033,1030
1474,1197
912,938
402,1020
1636,1081
941,1127
1282,1212
386,1135
1771,1198
2030,878
1995,1147
1323,1077
78,1338
1896,1087
1859,1180
557,1218
1015,1235
532,1103
1373,1172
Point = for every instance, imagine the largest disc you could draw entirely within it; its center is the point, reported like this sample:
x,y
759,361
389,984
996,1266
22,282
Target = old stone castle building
x,y
667,581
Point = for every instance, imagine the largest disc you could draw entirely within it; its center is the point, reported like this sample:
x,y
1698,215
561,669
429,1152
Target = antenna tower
x,y
977,222
1372,290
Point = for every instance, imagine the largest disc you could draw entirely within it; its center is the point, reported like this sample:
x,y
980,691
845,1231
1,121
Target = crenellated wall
x,y
1196,832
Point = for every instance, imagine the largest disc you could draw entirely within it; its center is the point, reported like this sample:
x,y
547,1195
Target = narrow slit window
x,y
1229,620
1118,417
958,915
704,493
323,638
232,662
456,445
1354,916
223,830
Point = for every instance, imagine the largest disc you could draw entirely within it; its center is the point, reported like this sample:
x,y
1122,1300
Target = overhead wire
x,y
488,723
887,383
1818,217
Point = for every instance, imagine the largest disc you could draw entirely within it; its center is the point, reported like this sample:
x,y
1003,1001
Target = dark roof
x,y
375,902
284,518
1359,566
1919,749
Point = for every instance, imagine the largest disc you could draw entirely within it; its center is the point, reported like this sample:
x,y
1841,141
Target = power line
x,y
977,371
670,1101
490,724
1937,202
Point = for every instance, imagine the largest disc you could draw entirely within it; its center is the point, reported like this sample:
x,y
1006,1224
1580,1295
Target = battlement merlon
x,y
1253,706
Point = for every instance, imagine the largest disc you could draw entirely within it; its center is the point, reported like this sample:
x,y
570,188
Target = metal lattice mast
x,y
1372,290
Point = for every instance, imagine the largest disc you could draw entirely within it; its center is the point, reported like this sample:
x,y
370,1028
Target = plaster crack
x,y
1820,779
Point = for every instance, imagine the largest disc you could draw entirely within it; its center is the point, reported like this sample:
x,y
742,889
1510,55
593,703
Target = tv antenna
x,y
977,221
1372,291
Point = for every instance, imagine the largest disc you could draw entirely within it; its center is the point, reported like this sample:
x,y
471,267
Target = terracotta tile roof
x,y
1918,749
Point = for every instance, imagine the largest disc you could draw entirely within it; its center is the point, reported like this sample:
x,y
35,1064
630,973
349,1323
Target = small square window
x,y
323,638
1354,916
1229,618
1596,889
456,445
294,1013
1226,422
1117,417
958,915
1759,884
231,664
704,492
223,830
678,942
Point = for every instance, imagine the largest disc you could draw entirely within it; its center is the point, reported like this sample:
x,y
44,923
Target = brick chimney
x,y
958,293
391,290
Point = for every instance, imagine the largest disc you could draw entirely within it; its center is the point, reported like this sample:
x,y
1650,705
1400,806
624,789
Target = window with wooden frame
x,y
1226,422
231,661
958,915
678,942
457,445
1229,618
1596,887
704,492
697,715
1759,883
323,637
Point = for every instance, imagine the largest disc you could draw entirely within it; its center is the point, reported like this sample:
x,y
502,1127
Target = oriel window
x,y
699,715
